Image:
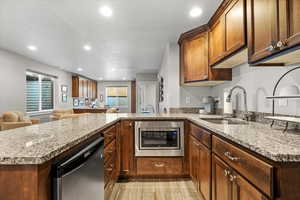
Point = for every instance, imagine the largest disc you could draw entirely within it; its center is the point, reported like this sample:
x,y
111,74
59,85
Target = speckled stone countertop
x,y
40,143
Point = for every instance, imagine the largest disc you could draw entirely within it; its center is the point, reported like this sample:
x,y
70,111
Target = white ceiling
x,y
131,41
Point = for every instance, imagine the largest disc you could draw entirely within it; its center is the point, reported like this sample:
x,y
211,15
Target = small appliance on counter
x,y
209,105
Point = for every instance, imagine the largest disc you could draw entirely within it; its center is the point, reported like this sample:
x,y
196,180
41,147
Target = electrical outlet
x,y
187,100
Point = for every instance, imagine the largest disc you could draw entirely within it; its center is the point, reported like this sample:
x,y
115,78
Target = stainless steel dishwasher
x,y
81,175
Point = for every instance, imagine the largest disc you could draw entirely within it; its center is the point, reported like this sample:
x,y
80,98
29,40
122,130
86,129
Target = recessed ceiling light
x,y
113,69
124,78
87,47
32,48
106,11
79,69
195,12
100,78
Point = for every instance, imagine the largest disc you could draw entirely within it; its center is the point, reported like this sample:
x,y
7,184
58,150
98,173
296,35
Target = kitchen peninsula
x,y
251,157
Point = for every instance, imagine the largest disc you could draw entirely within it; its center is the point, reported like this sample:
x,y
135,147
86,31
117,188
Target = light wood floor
x,y
155,190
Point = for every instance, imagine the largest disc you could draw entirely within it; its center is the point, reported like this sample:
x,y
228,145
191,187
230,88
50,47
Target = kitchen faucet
x,y
247,115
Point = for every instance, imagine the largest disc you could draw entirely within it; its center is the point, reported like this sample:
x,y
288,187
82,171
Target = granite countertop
x,y
40,143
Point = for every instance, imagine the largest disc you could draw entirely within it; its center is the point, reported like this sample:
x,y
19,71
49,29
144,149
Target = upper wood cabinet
x,y
235,26
217,41
195,58
83,88
227,34
289,15
273,28
262,29
194,66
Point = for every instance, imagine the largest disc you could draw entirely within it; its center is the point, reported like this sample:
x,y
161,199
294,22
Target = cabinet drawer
x,y
202,135
110,151
159,166
255,170
109,135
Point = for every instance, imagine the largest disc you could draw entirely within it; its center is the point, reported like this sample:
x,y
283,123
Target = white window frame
x,y
40,111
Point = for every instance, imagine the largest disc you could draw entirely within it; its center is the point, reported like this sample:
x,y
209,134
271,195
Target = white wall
x,y
103,84
175,95
13,81
259,83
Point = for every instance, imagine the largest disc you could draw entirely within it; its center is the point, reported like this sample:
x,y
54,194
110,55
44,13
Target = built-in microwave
x,y
159,138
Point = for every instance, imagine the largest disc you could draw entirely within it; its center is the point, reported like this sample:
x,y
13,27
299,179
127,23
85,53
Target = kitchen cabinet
x,y
194,67
127,146
273,29
200,167
229,185
227,36
200,160
262,28
221,185
83,88
235,26
111,158
196,58
159,166
217,41
289,22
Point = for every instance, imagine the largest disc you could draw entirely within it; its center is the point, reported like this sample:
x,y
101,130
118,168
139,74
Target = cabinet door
x,y
217,41
196,58
81,88
194,160
289,23
127,146
262,28
235,30
242,190
204,171
221,185
75,86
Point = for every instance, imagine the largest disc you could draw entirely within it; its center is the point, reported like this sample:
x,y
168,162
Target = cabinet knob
x,y
226,172
281,44
232,178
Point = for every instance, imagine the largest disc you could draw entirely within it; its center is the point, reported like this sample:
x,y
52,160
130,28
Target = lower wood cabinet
x,y
111,158
127,146
200,167
229,185
159,166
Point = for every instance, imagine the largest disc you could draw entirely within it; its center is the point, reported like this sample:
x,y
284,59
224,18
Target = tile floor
x,y
181,189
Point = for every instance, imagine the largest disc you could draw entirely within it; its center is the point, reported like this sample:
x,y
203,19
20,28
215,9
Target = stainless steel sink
x,y
229,121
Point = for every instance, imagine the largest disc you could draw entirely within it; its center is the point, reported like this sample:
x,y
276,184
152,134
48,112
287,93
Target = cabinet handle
x,y
108,169
196,144
232,178
230,157
159,164
270,48
205,77
226,172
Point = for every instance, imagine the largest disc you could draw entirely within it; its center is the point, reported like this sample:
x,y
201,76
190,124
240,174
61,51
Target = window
x,y
39,92
117,97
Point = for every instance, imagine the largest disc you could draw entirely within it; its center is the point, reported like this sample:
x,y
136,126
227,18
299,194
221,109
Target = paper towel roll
x,y
227,105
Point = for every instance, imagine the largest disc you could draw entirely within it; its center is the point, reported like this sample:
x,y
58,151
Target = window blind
x,y
39,92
